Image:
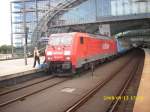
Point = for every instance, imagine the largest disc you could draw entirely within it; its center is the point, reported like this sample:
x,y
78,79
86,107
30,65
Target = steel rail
x,y
94,90
19,88
124,87
35,92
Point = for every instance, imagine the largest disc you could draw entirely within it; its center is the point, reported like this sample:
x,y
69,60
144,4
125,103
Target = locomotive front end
x,y
59,52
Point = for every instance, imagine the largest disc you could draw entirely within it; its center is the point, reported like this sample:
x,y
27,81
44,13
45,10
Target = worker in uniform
x,y
36,56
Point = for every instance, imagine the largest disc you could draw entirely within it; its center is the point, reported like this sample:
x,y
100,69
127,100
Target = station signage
x,y
104,29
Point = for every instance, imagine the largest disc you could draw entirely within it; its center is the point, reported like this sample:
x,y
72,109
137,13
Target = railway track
x,y
54,96
6,96
100,85
21,93
115,104
24,86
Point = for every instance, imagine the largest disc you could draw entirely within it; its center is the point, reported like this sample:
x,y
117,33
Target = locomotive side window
x,y
81,40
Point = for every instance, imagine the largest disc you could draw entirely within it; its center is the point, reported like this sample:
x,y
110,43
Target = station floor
x,y
11,67
142,103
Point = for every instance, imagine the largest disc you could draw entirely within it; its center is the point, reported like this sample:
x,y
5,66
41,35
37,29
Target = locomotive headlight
x,y
49,53
67,53
68,58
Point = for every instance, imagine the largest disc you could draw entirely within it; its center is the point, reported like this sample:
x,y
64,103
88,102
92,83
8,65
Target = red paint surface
x,y
91,47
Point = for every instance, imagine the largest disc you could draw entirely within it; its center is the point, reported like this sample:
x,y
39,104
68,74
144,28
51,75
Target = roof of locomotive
x,y
61,34
90,35
99,36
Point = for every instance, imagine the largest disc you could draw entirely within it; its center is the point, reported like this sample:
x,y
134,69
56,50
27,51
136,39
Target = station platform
x,y
143,105
15,68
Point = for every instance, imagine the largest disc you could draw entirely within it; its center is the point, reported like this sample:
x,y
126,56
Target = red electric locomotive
x,y
70,51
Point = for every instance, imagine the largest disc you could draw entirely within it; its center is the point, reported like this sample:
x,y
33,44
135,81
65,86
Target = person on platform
x,y
36,56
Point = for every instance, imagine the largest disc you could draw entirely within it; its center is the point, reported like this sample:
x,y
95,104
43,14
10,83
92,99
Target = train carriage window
x,y
81,40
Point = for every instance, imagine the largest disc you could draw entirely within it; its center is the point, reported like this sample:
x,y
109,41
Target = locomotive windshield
x,y
60,40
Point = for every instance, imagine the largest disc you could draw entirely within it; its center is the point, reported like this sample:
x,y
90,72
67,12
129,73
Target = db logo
x,y
105,46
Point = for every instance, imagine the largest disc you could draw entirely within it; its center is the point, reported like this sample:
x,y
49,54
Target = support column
x,y
24,25
131,9
12,46
95,10
36,11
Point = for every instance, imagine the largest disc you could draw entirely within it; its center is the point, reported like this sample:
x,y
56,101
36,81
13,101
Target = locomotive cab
x,y
59,52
